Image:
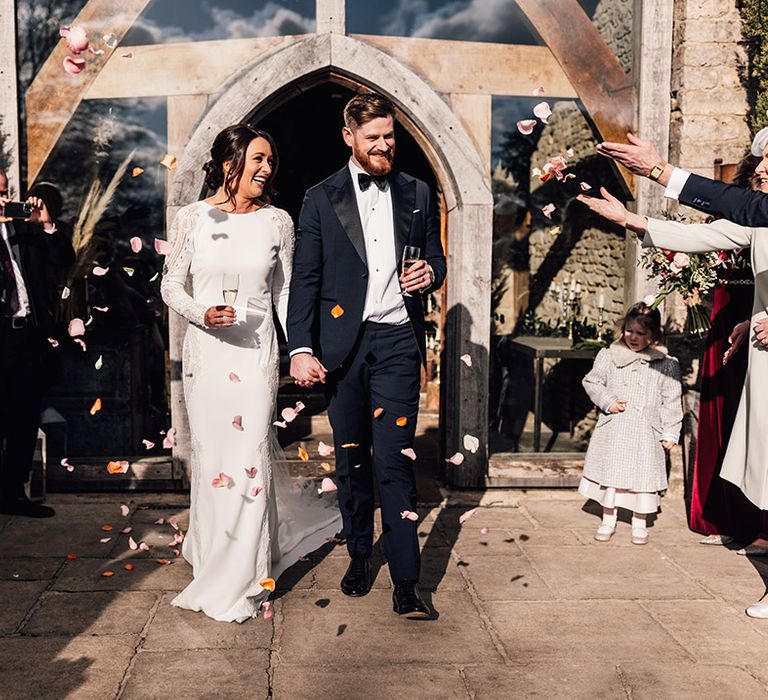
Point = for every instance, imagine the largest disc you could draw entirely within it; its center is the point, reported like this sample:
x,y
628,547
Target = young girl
x,y
636,386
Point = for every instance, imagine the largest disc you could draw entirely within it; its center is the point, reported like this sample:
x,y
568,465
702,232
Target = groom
x,y
351,327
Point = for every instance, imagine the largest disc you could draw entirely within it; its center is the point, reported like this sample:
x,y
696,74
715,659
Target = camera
x,y
17,210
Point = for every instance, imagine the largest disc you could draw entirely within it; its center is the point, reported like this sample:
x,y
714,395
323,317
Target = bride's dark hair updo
x,y
230,146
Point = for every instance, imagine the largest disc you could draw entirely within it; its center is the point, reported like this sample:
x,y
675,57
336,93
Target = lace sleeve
x,y
176,268
281,276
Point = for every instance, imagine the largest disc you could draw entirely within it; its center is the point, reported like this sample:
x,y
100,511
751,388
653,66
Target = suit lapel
x,y
403,200
344,203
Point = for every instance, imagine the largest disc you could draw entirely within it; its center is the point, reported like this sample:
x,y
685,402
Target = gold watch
x,y
657,170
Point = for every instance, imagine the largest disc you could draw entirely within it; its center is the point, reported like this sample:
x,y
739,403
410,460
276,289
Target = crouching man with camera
x,y
29,240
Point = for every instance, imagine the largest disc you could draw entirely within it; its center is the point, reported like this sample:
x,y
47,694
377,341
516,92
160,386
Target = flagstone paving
x,y
527,605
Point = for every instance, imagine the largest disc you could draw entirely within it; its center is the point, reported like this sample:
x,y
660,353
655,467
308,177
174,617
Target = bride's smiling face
x,y
257,169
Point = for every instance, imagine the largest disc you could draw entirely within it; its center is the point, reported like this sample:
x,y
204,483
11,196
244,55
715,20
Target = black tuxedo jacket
x,y
330,268
737,204
37,250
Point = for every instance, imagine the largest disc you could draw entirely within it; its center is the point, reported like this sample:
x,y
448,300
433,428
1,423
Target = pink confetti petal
x,y
526,126
233,377
569,153
77,38
124,510
136,244
173,522
176,552
73,66
267,610
466,515
237,423
471,443
484,530
408,452
299,407
132,544
585,186
466,358
103,309
170,439
457,458
126,530
542,111
160,521
409,515
324,450
327,486
99,271
222,481
548,210
288,414
251,472
76,327
82,344
280,424
162,247
148,444
538,91
255,491
54,343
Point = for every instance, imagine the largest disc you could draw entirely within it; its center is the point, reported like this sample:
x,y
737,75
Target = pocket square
x,y
416,211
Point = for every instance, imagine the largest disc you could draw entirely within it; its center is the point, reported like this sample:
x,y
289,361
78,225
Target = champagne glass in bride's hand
x,y
411,255
230,283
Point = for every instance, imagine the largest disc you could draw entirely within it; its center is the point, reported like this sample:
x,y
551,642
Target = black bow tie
x,y
365,180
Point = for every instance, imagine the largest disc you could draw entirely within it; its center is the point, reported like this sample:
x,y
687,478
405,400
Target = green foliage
x,y
755,30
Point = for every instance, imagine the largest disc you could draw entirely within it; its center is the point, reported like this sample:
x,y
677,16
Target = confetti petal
x,y
255,491
303,455
126,530
135,173
288,414
466,515
127,54
118,467
326,467
402,421
96,52
136,242
107,574
81,343
378,412
162,247
585,186
324,450
280,423
457,458
484,530
71,557
409,452
237,423
99,271
526,126
148,444
124,510
96,407
160,521
337,311
54,343
107,528
233,377
76,327
538,91
65,463
99,363
154,277
110,40
163,562
129,566
466,358
77,38
65,293
548,210
222,481
170,439
267,610
543,111
129,271
251,472
73,65
409,515
348,445
471,443
327,486
102,309
268,583
173,522
168,161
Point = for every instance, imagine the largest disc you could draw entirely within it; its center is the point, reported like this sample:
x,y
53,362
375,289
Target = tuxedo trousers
x,y
21,388
383,371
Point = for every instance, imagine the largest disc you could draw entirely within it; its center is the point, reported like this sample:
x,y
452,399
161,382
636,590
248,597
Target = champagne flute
x,y
230,283
411,255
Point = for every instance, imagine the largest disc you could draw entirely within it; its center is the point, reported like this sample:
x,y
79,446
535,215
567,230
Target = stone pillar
x,y
9,105
331,17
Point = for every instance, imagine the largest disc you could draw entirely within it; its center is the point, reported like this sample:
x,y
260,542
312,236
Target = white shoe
x,y
639,536
604,533
757,610
716,540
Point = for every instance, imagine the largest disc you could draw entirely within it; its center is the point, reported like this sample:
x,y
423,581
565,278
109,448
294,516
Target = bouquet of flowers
x,y
691,275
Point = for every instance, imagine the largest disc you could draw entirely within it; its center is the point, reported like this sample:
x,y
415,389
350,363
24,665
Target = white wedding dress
x,y
247,521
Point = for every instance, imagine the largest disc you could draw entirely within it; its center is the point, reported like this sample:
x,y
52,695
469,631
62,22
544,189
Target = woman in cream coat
x,y
745,462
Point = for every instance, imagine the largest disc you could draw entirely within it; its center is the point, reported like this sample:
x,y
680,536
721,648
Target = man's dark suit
x,y
737,204
370,365
22,350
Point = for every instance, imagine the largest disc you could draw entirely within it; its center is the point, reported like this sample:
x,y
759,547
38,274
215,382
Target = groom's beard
x,y
375,166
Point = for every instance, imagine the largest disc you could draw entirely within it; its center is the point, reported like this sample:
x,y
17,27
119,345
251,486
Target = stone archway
x,y
462,177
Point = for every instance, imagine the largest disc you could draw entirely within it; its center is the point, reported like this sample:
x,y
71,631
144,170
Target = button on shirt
x,y
21,288
383,299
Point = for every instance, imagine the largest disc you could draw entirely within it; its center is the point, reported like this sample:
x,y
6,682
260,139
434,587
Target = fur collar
x,y
623,356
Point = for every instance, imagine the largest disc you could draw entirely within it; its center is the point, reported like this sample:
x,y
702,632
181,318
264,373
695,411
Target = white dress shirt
x,y
21,287
677,181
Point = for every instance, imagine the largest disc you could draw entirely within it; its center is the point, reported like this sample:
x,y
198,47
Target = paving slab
x,y
498,517
173,628
329,572
506,578
471,540
199,673
366,631
701,627
84,574
604,631
551,536
559,679
27,569
18,598
369,682
614,572
86,668
91,613
688,681
52,537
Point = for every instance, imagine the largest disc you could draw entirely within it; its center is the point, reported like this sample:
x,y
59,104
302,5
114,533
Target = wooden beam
x,y
475,112
9,106
458,67
331,16
478,67
605,90
54,95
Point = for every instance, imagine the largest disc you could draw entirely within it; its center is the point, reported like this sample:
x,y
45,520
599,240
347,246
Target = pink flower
x,y
681,260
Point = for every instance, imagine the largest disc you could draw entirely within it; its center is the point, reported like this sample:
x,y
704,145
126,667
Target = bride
x,y
247,522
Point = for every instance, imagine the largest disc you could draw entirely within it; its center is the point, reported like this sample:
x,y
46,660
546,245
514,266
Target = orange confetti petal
x,y
106,528
268,583
129,567
402,421
136,172
337,311
326,467
96,407
107,574
168,161
303,455
377,412
164,561
119,467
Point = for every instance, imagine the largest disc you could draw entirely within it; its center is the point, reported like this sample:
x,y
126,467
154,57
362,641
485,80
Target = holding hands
x,y
307,370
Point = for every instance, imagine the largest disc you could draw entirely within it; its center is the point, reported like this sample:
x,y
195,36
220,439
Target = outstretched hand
x,y
614,211
736,339
637,156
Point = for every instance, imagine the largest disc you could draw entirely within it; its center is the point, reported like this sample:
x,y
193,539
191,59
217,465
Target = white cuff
x,y
52,230
299,350
677,181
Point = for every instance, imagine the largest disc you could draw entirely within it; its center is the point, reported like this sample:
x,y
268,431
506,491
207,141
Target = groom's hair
x,y
366,107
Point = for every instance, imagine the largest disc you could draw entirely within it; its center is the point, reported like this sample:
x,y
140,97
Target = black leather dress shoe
x,y
23,506
408,601
357,581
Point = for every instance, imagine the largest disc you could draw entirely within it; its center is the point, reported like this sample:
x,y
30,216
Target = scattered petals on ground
x,y
124,510
466,515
